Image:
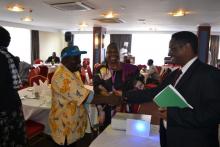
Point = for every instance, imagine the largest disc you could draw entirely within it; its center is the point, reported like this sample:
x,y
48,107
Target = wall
x,y
50,42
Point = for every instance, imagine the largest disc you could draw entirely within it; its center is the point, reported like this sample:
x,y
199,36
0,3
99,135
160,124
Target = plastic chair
x,y
36,79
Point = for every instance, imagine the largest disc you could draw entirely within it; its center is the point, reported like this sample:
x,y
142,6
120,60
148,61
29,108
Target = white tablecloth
x,y
38,109
51,68
117,138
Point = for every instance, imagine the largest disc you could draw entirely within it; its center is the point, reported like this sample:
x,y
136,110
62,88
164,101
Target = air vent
x,y
109,20
72,6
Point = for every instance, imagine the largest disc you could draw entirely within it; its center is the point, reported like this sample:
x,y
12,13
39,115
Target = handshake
x,y
105,97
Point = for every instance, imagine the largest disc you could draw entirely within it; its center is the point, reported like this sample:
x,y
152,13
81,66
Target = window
x,y
85,43
150,46
20,44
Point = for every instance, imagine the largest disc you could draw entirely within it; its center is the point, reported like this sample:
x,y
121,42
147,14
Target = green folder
x,y
170,97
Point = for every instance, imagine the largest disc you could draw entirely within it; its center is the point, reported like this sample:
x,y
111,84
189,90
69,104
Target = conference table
x,y
38,109
118,138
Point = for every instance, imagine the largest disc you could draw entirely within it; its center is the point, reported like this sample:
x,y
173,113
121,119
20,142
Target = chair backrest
x,y
36,79
43,70
158,69
33,72
49,77
38,61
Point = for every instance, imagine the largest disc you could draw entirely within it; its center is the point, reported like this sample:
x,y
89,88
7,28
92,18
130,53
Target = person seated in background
x,y
139,83
68,116
24,68
114,76
153,74
53,59
86,73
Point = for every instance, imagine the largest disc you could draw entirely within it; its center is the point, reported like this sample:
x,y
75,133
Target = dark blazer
x,y
50,59
197,127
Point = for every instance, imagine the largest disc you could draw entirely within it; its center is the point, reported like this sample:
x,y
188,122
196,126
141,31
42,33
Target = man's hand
x,y
163,113
104,93
117,92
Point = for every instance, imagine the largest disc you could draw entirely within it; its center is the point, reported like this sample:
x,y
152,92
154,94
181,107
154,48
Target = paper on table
x,y
170,97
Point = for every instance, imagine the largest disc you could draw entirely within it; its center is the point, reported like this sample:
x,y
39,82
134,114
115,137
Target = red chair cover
x,y
43,70
150,85
33,128
33,72
38,61
49,77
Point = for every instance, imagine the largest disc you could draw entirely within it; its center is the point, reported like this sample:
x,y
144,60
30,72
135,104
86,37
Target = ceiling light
x,y
28,18
83,24
179,13
15,7
109,14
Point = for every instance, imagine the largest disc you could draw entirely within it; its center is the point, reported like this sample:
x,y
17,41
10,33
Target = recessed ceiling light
x,y
110,14
83,24
28,18
15,7
179,13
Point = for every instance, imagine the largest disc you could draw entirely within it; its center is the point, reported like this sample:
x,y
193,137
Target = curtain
x,y
120,39
214,49
34,45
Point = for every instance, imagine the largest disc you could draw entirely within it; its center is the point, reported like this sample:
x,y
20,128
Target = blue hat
x,y
71,51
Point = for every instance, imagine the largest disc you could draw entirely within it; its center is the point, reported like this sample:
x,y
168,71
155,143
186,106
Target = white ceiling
x,y
154,11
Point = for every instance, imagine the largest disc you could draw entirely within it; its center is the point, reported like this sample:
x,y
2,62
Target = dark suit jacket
x,y
197,127
56,59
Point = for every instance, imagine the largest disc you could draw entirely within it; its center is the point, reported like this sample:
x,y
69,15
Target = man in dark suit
x,y
199,84
53,59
